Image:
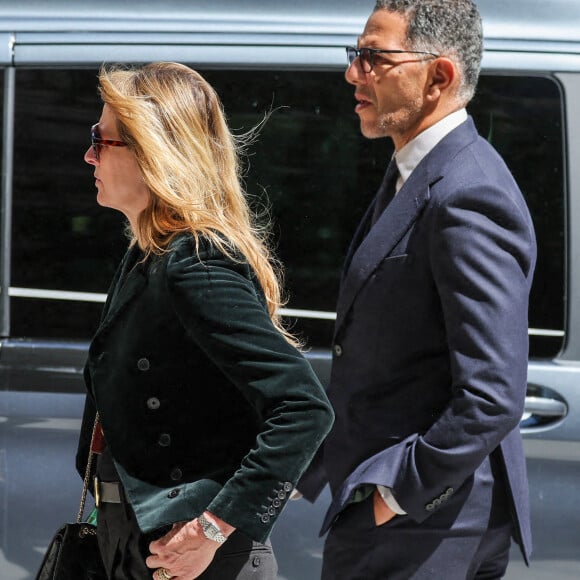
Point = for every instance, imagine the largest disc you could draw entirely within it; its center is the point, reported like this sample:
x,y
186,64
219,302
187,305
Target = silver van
x,y
314,172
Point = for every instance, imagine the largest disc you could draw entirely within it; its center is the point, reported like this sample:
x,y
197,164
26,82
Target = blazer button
x,y
337,350
143,364
176,474
173,493
164,440
153,403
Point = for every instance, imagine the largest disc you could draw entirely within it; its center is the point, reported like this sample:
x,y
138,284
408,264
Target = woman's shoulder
x,y
187,248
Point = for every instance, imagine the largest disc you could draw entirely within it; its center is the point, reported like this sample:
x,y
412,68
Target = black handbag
x,y
73,553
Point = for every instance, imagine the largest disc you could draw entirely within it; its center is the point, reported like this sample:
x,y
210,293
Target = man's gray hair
x,y
450,28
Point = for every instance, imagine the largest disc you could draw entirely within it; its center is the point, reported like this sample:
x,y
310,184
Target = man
x,y
425,459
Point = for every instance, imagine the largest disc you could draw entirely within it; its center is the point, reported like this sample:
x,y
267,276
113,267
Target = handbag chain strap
x,y
87,472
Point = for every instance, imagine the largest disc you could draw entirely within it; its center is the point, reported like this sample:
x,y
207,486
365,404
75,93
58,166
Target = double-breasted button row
x,y
438,501
276,501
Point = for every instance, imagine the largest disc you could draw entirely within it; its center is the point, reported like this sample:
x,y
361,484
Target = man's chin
x,y
372,131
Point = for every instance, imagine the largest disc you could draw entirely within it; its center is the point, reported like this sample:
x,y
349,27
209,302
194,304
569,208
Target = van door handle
x,y
545,407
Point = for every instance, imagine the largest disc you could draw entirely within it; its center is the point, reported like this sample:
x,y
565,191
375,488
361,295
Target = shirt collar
x,y
413,152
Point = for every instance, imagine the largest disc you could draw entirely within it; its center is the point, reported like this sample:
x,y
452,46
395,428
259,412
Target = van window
x,y
310,167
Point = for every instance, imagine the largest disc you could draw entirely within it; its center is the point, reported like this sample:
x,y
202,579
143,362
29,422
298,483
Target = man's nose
x,y
354,73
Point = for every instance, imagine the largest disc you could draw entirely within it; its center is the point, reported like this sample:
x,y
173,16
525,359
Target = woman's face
x,y
117,175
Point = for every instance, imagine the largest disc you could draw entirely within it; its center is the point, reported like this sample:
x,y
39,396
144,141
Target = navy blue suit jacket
x,y
431,341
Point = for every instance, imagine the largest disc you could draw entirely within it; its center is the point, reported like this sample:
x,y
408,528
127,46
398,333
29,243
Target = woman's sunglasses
x,y
97,142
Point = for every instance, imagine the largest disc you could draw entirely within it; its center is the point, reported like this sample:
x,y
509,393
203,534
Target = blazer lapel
x,y
128,282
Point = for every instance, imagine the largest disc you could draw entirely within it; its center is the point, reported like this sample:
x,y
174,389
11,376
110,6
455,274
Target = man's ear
x,y
443,75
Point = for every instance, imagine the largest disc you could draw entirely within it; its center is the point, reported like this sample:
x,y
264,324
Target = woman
x,y
209,413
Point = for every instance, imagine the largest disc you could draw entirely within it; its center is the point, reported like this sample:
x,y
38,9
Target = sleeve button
x,y
173,493
265,518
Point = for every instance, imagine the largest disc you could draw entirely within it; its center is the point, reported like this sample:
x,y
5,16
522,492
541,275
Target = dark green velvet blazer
x,y
204,405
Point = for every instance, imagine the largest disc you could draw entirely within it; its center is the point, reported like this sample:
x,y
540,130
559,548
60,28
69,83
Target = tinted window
x,y
310,167
522,118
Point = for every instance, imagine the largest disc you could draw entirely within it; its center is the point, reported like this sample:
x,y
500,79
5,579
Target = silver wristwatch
x,y
211,531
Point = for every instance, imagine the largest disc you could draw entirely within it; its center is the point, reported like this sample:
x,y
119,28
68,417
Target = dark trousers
x,y
469,538
124,549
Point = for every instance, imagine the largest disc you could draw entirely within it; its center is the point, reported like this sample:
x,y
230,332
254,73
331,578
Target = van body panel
x,y
273,44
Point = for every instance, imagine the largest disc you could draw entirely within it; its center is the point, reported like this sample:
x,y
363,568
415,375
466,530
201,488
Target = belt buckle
x,y
96,488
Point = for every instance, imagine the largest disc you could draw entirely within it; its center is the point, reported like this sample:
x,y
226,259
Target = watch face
x,y
211,531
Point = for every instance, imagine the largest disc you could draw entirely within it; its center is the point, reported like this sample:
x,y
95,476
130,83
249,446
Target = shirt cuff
x,y
389,499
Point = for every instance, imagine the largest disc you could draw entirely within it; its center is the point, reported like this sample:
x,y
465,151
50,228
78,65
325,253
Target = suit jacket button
x,y
265,518
337,350
173,493
153,403
164,440
143,364
176,474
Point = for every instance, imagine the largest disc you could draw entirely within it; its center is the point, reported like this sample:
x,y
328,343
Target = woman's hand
x,y
184,552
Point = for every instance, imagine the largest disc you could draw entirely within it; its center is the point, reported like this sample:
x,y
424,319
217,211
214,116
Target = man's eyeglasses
x,y
97,142
367,55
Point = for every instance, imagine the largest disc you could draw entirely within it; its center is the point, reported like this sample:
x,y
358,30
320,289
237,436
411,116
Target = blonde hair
x,y
173,121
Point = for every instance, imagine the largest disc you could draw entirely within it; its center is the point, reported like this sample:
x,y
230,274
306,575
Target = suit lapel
x,y
382,238
398,216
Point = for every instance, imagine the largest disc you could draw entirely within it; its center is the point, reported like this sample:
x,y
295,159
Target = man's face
x,y
391,98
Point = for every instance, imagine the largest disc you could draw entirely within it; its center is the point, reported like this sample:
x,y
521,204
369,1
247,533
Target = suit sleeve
x,y
482,255
219,306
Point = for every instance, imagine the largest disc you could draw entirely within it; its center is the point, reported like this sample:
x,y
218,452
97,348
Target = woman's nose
x,y
90,156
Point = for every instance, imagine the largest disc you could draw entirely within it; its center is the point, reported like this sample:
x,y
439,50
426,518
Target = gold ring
x,y
163,574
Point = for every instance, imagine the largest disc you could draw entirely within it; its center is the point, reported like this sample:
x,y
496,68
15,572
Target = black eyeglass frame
x,y
97,142
352,53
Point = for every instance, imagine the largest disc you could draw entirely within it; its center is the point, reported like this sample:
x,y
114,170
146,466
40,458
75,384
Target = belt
x,y
107,492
